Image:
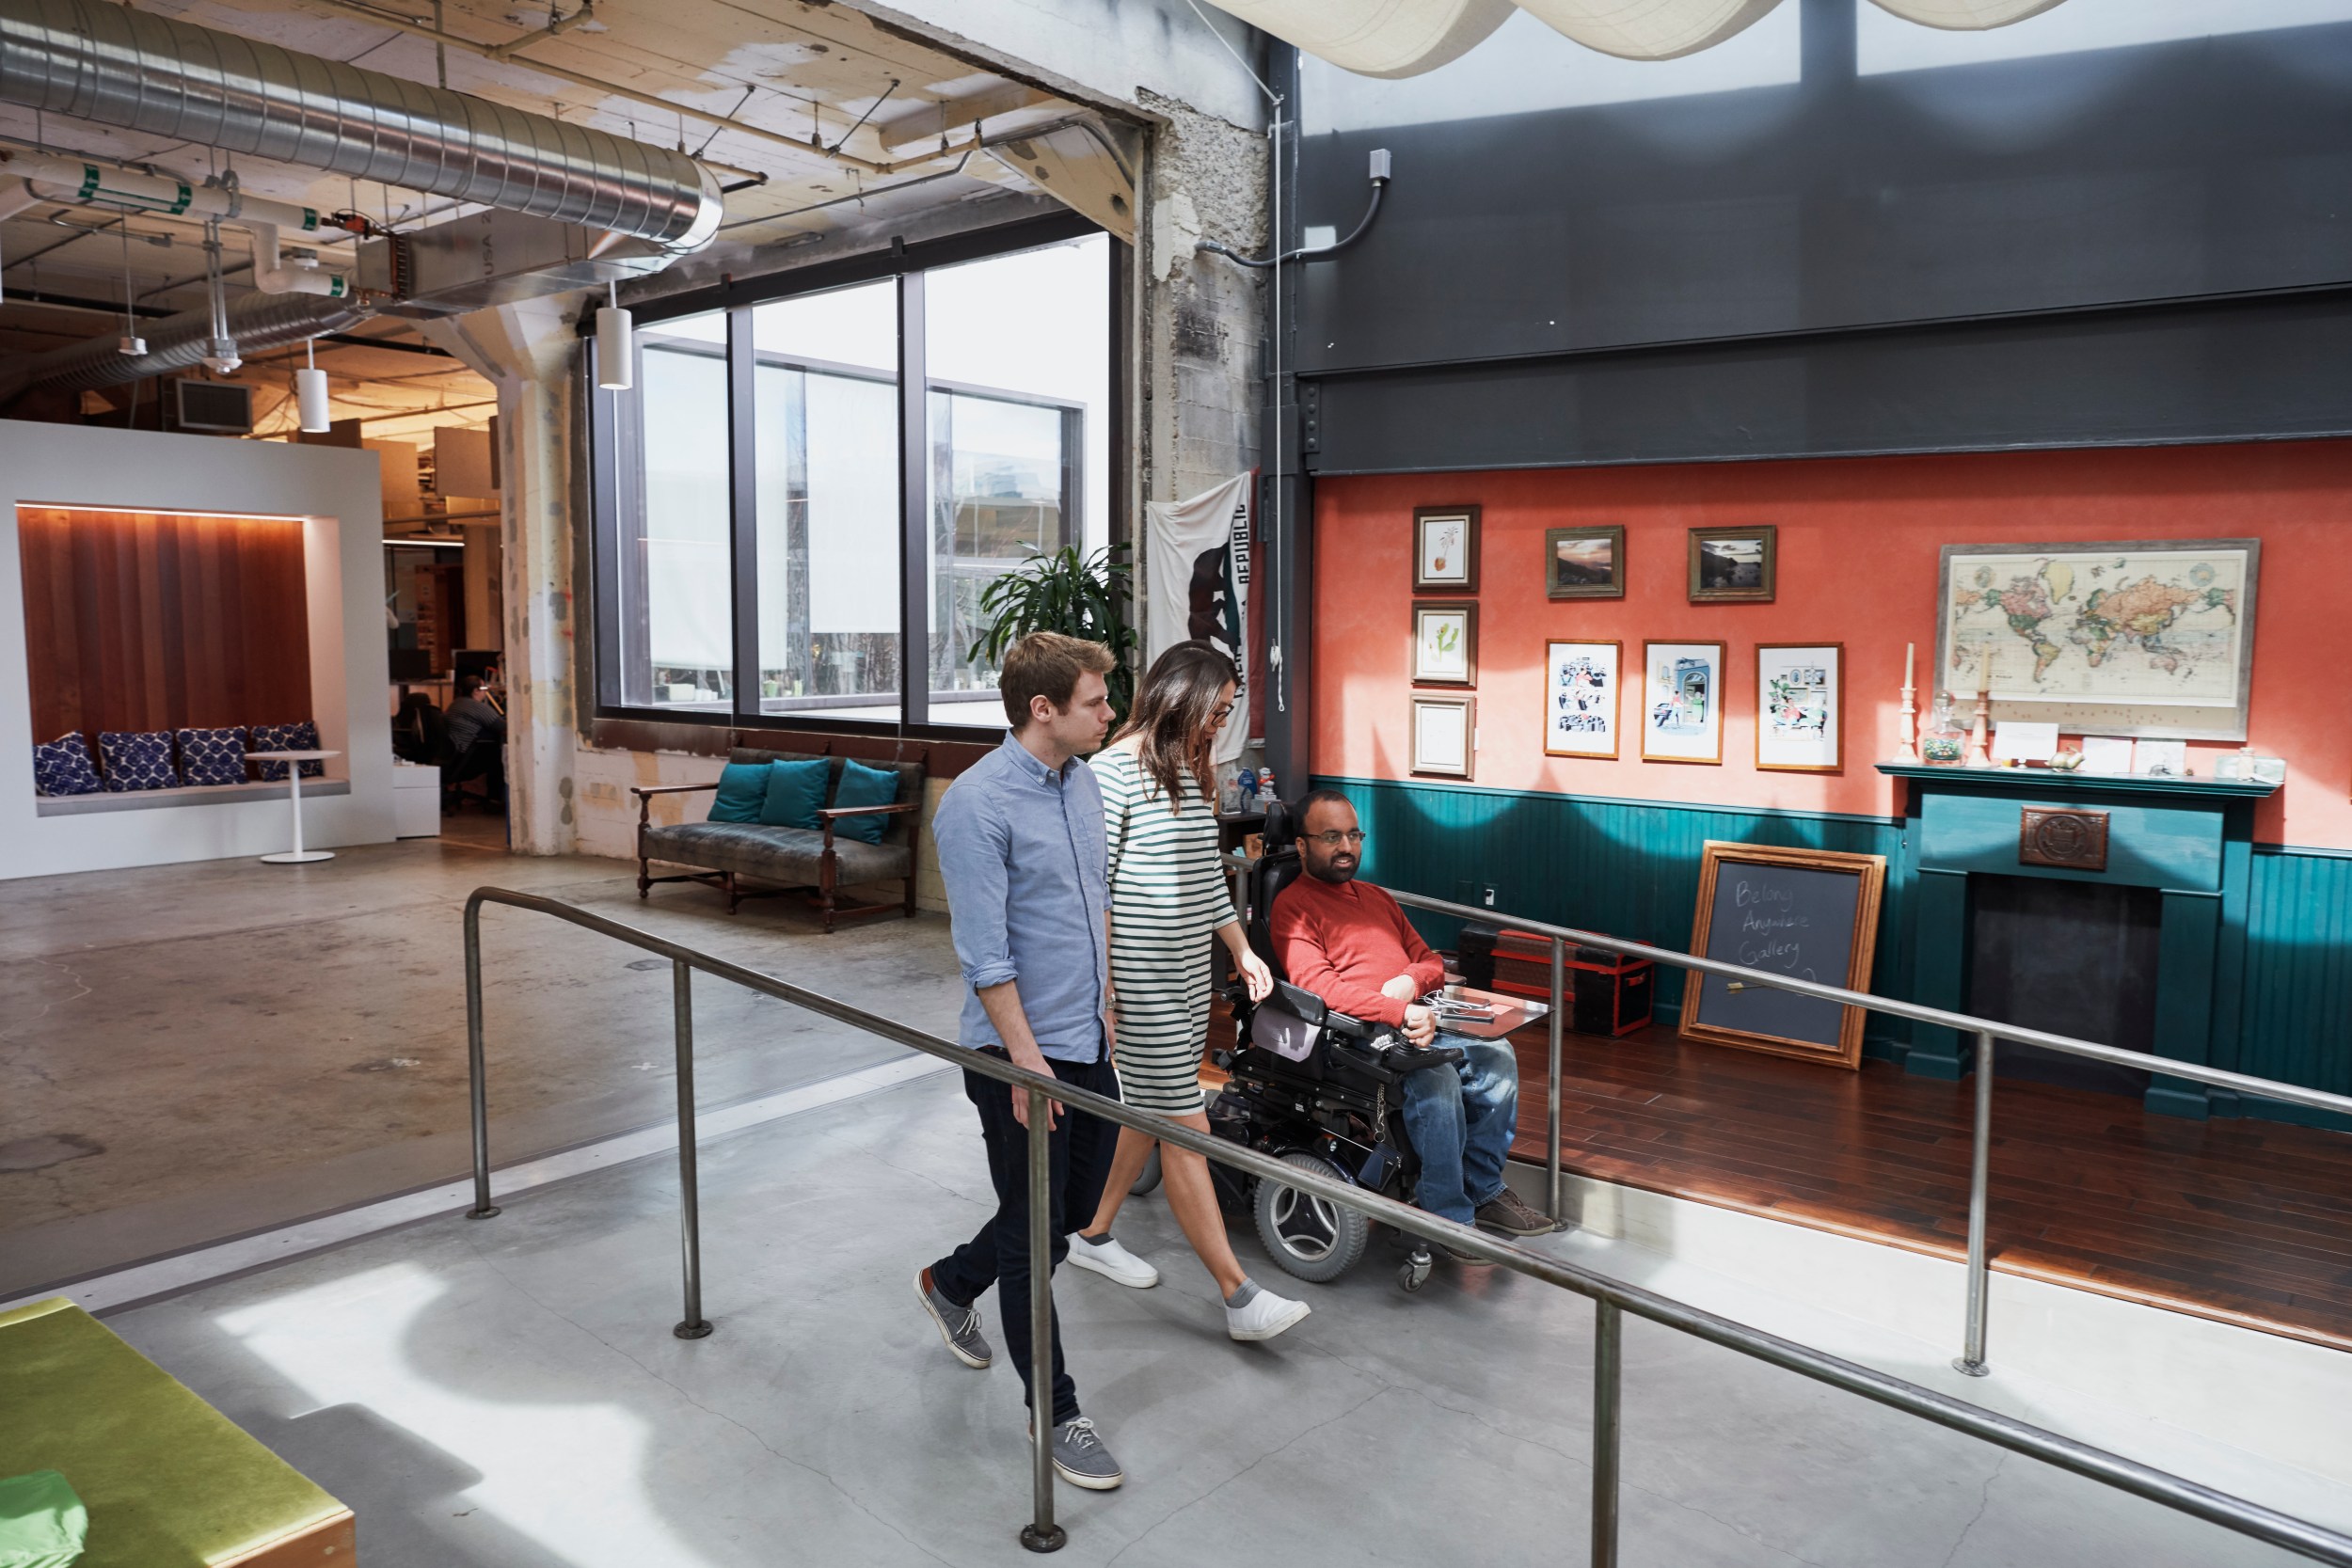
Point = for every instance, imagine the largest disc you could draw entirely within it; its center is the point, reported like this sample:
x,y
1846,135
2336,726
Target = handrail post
x,y
477,1075
1041,1534
1607,1378
1557,1206
1971,1358
693,1326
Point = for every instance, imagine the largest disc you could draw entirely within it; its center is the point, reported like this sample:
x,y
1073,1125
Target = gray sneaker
x,y
1081,1458
958,1325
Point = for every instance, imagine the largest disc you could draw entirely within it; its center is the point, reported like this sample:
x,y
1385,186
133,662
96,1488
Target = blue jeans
x,y
1461,1120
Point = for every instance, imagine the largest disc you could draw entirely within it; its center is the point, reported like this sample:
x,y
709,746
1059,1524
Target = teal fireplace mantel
x,y
2191,839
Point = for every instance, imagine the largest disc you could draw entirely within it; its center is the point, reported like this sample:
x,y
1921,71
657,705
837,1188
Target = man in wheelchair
x,y
1350,944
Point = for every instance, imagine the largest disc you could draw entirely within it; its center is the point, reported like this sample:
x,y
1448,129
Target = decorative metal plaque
x,y
2072,840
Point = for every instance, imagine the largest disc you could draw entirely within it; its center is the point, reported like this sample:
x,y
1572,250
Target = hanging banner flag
x,y
1199,588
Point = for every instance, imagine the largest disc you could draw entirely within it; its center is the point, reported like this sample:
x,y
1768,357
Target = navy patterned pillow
x,y
62,767
303,737
141,760
211,756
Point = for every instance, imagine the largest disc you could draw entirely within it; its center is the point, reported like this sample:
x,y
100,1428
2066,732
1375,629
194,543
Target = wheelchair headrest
x,y
1281,827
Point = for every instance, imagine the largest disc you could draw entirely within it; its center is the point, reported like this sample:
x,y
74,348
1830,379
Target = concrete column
x,y
530,353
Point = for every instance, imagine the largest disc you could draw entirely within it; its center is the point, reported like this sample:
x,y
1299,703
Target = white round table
x,y
297,855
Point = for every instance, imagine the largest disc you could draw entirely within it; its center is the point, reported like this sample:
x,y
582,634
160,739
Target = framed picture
x,y
2151,639
1682,702
1445,549
1445,733
1800,707
1584,563
1581,699
1445,644
1811,914
1733,565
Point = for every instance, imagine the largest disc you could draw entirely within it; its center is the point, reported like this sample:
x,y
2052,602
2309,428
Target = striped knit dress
x,y
1167,899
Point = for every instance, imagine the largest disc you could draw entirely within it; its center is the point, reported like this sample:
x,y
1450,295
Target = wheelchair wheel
x,y
1310,1236
1149,1177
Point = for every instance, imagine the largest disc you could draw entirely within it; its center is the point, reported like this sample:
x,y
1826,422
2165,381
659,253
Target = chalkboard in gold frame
x,y
1812,914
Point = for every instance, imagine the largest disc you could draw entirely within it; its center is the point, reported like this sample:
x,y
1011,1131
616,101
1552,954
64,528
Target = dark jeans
x,y
1078,1158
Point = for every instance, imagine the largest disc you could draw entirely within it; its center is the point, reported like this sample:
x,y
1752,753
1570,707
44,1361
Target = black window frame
x,y
905,264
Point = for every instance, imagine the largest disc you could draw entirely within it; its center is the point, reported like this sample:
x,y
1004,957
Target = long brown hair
x,y
1174,718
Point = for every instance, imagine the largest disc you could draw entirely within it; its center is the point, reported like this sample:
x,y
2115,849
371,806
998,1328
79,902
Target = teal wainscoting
x,y
1626,868
1630,868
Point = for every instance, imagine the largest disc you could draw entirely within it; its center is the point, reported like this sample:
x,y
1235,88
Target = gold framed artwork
x,y
1682,702
1811,914
1584,563
1445,643
1445,735
1800,707
1734,565
1580,698
1445,549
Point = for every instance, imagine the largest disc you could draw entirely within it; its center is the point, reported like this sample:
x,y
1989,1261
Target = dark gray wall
x,y
2126,245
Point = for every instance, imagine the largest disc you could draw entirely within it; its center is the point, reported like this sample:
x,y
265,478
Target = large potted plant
x,y
1077,595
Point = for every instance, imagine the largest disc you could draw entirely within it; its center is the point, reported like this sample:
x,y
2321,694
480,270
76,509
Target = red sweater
x,y
1345,942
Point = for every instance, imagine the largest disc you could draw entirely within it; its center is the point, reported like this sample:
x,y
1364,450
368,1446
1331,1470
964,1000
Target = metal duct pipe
x,y
256,322
141,72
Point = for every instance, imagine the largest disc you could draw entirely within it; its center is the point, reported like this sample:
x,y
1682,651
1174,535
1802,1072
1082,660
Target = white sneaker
x,y
1263,1316
1112,1261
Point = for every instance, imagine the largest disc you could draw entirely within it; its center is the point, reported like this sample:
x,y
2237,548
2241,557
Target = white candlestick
x,y
1909,651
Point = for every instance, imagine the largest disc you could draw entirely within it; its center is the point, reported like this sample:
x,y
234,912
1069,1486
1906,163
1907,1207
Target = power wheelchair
x,y
1315,1088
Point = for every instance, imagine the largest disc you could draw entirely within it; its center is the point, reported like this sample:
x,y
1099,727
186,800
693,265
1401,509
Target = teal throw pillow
x,y
742,790
862,786
795,792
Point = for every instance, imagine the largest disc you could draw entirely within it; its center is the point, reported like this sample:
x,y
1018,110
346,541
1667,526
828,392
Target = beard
x,y
1340,869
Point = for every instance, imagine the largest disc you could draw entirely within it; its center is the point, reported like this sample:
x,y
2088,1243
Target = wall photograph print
x,y
1445,549
1445,644
1445,730
1734,565
1581,699
1799,707
1682,702
1584,563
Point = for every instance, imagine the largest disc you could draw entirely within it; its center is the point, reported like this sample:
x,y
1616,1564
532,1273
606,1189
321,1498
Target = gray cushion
x,y
794,856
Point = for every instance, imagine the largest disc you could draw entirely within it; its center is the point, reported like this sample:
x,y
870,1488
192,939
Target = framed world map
x,y
2139,637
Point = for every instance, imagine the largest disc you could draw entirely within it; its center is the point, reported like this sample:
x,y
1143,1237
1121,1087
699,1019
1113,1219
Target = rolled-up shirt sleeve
x,y
973,841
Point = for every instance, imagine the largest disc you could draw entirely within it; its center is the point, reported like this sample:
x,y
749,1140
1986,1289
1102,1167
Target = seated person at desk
x,y
477,740
1350,943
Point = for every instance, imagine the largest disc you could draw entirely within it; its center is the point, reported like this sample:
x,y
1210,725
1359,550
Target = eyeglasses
x,y
1224,711
1352,837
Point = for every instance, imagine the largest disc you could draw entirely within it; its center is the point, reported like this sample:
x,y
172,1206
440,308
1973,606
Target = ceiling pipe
x,y
254,323
142,71
91,181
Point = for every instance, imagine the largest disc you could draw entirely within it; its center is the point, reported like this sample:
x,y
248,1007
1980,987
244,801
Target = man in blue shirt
x,y
1023,852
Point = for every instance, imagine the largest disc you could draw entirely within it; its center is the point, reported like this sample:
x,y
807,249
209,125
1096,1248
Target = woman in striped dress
x,y
1168,908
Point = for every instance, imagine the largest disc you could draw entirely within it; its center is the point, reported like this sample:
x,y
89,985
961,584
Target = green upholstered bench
x,y
169,1481
796,858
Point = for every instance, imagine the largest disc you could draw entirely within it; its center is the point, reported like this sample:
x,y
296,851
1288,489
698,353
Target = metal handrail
x,y
1972,1358
1612,1298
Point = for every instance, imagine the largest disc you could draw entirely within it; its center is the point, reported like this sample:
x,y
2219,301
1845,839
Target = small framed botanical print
x,y
1800,706
1445,644
1445,549
1734,565
1445,733
1682,702
1581,699
1584,563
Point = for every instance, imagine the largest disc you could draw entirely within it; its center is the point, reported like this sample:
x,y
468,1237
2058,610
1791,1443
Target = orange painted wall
x,y
1858,544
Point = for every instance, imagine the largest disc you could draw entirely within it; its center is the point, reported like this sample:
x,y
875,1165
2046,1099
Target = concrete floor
x,y
193,1052
507,1393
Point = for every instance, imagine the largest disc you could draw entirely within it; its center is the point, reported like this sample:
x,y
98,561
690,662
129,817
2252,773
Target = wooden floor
x,y
2242,1220
2247,1221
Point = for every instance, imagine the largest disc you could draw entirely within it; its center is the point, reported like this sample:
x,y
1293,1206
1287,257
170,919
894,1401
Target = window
x,y
754,513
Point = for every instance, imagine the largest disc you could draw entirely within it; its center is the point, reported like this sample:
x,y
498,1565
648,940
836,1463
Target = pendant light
x,y
130,344
615,345
311,392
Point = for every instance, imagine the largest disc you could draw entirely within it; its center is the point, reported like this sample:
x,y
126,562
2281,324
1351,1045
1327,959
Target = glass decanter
x,y
1941,739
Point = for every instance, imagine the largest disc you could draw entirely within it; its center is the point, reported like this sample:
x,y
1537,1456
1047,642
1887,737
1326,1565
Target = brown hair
x,y
1047,664
1173,721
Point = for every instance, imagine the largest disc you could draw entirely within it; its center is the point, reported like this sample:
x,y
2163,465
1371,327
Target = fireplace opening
x,y
2077,959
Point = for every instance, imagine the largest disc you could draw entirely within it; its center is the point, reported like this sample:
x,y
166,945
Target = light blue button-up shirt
x,y
1022,849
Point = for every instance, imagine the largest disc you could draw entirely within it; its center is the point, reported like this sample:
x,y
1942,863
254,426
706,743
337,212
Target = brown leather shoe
x,y
1513,1216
